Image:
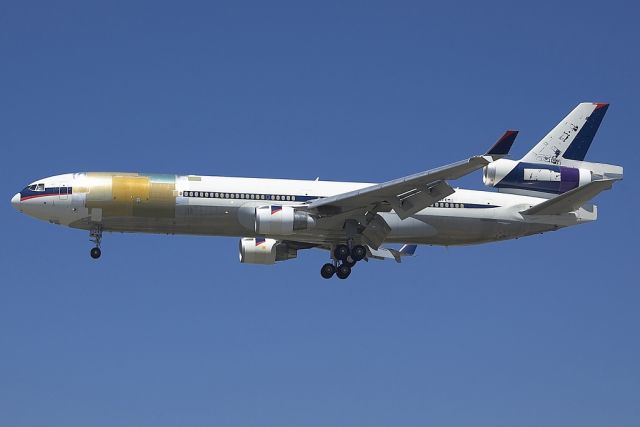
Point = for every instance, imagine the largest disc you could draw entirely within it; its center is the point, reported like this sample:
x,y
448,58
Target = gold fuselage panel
x,y
132,195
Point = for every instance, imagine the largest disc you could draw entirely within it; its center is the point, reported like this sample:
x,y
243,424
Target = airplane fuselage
x,y
224,206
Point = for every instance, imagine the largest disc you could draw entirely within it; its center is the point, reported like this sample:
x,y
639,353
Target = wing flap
x,y
419,200
571,200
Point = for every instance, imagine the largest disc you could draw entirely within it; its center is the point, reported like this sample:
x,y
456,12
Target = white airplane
x,y
548,189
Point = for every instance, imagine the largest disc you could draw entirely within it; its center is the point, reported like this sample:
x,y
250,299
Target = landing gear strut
x,y
95,235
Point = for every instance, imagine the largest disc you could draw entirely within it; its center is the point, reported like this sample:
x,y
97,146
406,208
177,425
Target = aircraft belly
x,y
458,230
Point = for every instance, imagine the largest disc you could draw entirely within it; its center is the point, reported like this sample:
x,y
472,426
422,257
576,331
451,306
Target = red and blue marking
x,y
27,194
275,209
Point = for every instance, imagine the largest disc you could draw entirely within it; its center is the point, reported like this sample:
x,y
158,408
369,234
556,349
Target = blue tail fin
x,y
503,145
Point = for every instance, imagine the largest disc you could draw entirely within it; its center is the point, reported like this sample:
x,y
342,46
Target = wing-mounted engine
x,y
265,251
541,177
276,220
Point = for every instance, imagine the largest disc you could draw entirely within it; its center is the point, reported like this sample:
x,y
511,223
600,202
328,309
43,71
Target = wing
x,y
412,193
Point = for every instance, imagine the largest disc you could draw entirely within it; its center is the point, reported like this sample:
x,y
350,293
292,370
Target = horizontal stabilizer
x,y
408,249
571,200
388,253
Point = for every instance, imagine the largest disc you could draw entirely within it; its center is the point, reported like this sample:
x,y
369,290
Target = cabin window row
x,y
447,205
215,195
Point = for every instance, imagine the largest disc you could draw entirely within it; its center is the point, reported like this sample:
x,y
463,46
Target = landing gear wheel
x,y
95,253
343,271
350,261
358,252
95,235
341,252
327,271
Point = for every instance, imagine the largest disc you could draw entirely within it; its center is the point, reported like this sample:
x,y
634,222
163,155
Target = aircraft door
x,y
63,192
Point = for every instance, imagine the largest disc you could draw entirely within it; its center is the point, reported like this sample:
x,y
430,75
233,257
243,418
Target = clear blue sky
x,y
173,331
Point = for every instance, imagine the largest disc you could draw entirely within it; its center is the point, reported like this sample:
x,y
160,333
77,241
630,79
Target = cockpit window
x,y
36,187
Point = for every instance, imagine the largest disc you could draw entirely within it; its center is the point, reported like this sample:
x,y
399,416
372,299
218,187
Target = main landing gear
x,y
344,260
95,235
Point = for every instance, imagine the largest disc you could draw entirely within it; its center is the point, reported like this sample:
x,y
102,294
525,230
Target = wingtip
x,y
504,144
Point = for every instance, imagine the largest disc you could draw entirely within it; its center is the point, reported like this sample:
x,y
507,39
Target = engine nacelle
x,y
281,220
258,250
542,177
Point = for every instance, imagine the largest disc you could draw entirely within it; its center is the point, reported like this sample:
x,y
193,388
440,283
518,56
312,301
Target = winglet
x,y
503,145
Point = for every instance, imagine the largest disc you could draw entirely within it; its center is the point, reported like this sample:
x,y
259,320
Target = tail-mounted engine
x,y
264,251
541,177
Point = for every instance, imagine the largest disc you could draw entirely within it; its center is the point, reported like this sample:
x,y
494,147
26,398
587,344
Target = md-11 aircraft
x,y
548,189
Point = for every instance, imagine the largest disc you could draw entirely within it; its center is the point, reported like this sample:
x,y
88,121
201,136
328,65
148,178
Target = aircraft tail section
x,y
556,164
571,138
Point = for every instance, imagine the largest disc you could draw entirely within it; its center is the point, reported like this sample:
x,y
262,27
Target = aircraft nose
x,y
15,201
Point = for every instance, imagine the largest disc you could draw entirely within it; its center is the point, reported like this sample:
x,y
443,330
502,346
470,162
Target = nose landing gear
x,y
95,253
95,235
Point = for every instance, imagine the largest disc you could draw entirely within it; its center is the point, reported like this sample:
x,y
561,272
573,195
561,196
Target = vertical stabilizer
x,y
571,138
